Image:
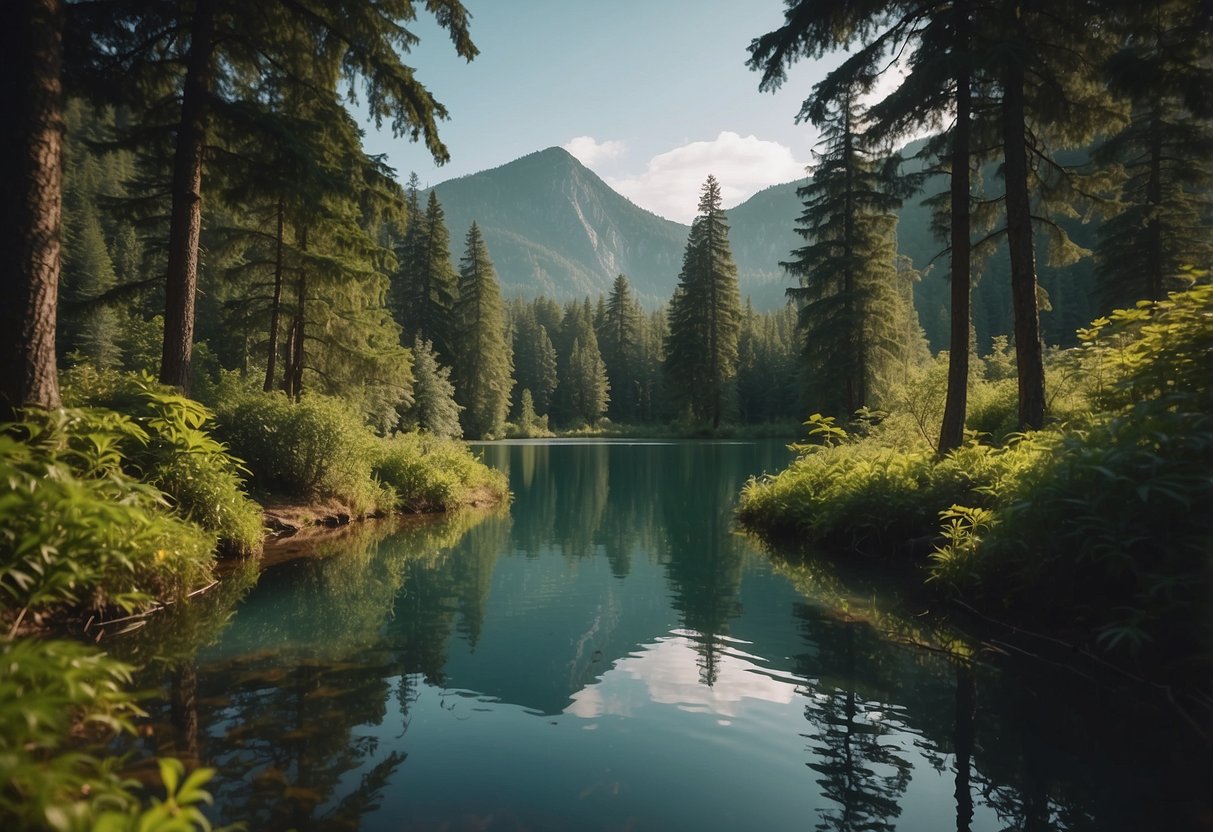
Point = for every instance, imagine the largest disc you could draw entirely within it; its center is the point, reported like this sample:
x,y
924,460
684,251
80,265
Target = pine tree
x,y
849,320
483,367
1166,153
430,288
705,317
934,40
87,273
1046,62
434,408
619,341
1032,64
407,250
31,169
534,360
583,391
218,49
586,383
306,265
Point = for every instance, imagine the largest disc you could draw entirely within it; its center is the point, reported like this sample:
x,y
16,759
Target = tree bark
x,y
276,304
1154,269
31,172
185,223
951,433
1029,355
294,372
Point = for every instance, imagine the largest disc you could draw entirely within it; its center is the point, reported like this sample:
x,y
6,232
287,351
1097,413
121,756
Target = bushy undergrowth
x,y
429,473
1117,518
1101,524
315,448
318,447
174,451
863,494
60,702
77,531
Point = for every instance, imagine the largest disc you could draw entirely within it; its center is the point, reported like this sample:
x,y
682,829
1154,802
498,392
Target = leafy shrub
x,y
314,448
1100,525
53,695
429,473
861,494
1110,529
319,448
176,453
77,531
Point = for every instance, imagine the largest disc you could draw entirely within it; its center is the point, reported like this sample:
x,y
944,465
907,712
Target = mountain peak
x,y
554,227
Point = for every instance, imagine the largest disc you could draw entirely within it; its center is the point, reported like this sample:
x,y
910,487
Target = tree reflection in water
x,y
277,706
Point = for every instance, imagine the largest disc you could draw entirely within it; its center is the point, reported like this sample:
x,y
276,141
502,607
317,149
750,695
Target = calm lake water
x,y
606,653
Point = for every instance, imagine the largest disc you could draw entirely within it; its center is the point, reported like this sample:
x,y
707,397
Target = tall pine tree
x,y
196,59
430,285
1166,153
852,325
619,342
483,369
705,317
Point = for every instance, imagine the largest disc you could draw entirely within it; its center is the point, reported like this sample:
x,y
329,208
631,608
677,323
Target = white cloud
x,y
590,151
668,673
743,165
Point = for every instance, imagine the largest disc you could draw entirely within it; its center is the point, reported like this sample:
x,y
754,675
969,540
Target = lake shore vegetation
x,y
1096,527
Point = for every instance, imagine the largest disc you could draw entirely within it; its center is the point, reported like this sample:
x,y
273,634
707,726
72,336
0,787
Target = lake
x,y
608,653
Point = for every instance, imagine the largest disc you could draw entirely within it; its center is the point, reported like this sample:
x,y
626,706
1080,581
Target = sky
x,y
652,96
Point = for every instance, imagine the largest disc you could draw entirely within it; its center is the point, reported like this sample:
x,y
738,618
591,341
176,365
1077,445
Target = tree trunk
x,y
951,433
31,153
276,305
294,373
185,223
1154,269
183,710
1029,356
963,741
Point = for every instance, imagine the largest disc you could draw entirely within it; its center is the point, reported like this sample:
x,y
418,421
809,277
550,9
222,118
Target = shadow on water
x,y
1037,746
606,653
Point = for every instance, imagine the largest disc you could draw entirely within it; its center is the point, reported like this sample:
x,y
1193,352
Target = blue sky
x,y
653,96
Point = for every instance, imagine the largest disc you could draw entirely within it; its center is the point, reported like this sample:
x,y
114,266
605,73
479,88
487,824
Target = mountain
x,y
553,227
762,233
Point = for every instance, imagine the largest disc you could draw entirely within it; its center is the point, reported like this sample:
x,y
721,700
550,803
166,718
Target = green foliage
x,y
318,448
705,318
77,531
861,495
176,453
59,702
428,283
434,408
429,473
315,448
1120,501
483,365
1098,526
529,424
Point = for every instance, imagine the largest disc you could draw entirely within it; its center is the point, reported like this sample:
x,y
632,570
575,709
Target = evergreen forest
x,y
220,311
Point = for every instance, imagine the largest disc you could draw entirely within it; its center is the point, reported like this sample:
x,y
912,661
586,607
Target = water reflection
x,y
669,672
607,653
